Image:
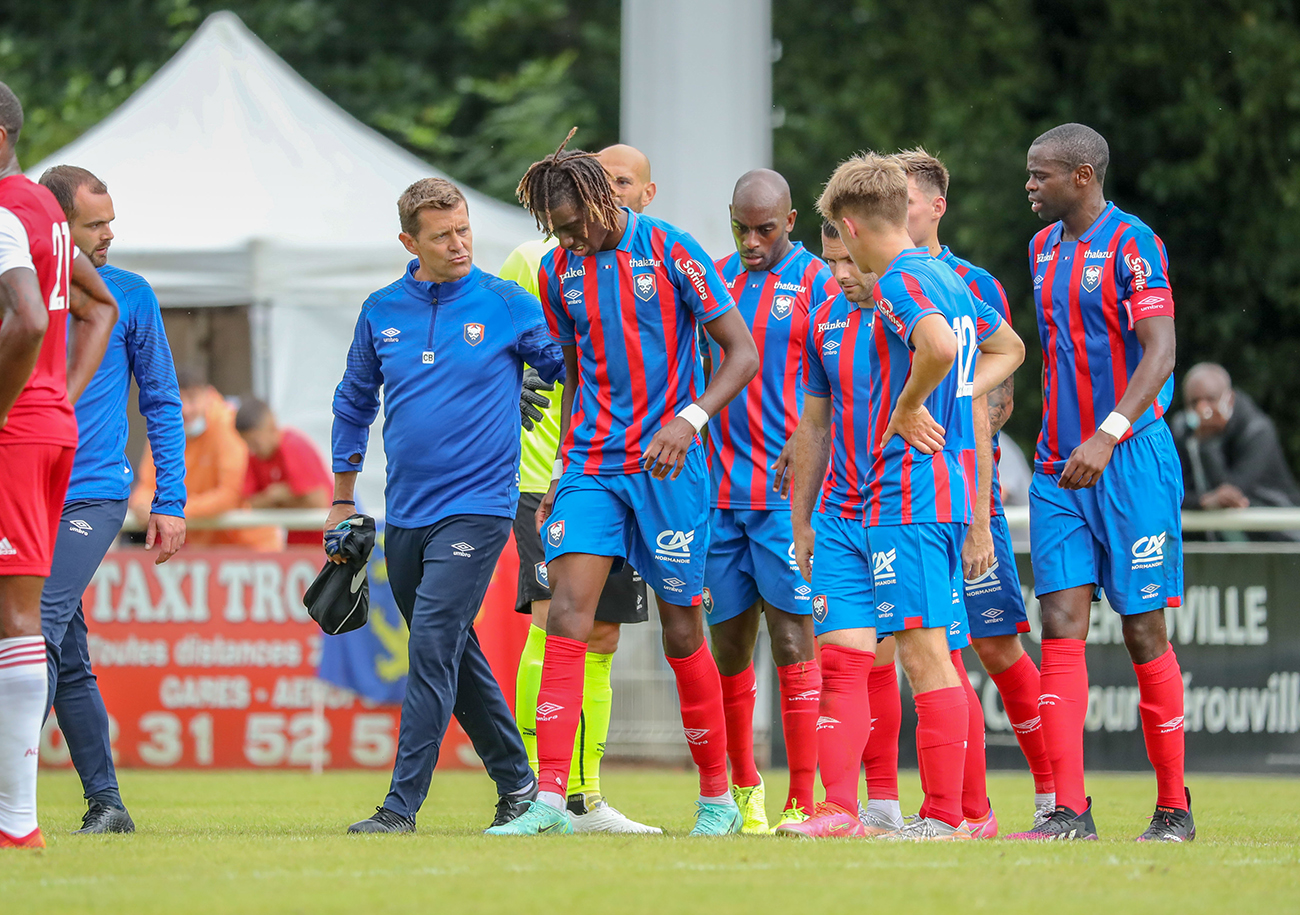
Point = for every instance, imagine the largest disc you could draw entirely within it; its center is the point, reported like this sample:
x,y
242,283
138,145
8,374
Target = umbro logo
x,y
391,333
808,695
803,590
886,608
696,736
674,583
573,295
547,711
830,346
1173,724
1049,699
826,721
461,549
1027,727
81,527
1151,591
7,548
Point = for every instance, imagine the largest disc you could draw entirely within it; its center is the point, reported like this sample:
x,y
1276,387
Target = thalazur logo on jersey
x,y
555,533
1091,277
644,283
473,334
882,565
782,307
1149,552
674,546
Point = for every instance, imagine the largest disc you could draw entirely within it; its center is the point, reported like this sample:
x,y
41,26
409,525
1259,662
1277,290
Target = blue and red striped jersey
x,y
747,435
904,485
987,289
633,313
1089,294
837,365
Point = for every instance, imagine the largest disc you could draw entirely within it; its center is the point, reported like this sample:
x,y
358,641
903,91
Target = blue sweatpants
x,y
86,531
439,575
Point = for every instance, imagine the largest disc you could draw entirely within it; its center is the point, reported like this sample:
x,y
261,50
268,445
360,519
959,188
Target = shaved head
x,y
629,175
762,188
761,218
1076,144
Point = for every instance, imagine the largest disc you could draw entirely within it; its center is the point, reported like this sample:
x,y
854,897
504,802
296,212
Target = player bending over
x,y
624,295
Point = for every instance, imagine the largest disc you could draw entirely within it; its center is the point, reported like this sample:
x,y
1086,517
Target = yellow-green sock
x,y
527,683
593,728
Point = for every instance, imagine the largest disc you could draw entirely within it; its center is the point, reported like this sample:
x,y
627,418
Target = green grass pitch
x,y
253,842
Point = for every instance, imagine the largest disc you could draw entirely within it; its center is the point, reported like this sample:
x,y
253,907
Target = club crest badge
x,y
1091,277
819,607
645,286
539,571
707,601
782,306
473,334
555,533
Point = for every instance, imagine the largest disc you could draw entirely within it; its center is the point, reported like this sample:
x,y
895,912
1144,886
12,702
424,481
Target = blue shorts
x,y
994,604
842,596
1124,534
659,526
751,555
916,572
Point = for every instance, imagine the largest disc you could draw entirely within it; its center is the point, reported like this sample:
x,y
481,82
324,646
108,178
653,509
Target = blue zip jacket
x,y
137,346
450,359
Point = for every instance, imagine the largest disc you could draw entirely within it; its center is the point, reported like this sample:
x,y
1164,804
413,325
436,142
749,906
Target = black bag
x,y
339,599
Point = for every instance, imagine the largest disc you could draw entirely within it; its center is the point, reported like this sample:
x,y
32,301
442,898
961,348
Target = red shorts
x,y
33,482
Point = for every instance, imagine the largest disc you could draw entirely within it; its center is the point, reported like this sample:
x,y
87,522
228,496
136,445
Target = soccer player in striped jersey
x,y
1104,506
750,571
923,377
995,608
624,295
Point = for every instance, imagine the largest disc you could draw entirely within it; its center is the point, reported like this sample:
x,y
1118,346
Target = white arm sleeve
x,y
15,250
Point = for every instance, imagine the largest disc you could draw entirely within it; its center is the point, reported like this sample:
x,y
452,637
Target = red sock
x,y
942,723
801,691
844,722
1063,706
559,705
1018,685
738,692
974,785
881,756
699,691
1160,691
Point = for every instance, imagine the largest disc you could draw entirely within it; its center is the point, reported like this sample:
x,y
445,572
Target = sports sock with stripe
x,y
974,786
844,722
1063,706
593,730
22,709
881,755
738,694
942,723
1019,688
801,688
527,682
1160,691
699,692
559,704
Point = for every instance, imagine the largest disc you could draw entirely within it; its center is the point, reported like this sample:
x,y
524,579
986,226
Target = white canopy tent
x,y
238,183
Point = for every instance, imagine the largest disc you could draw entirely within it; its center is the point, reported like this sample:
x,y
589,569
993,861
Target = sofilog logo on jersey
x,y
1140,269
674,546
882,565
693,270
1149,552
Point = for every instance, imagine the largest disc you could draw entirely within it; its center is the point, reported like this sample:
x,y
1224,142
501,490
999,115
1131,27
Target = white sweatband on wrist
x,y
694,414
558,470
1116,424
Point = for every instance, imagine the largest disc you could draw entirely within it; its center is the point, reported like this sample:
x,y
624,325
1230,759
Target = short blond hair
x,y
929,172
869,185
426,194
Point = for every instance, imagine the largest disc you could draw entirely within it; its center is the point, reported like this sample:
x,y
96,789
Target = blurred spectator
x,y
1229,448
284,468
216,460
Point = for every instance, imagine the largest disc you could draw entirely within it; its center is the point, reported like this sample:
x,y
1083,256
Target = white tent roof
x,y
227,150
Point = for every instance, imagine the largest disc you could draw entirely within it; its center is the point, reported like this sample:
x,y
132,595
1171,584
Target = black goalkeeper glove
x,y
531,403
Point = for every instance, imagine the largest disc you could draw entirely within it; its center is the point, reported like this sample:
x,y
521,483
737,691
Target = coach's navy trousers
x,y
439,575
86,531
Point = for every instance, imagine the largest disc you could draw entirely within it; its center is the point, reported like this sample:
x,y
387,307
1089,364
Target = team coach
x,y
447,343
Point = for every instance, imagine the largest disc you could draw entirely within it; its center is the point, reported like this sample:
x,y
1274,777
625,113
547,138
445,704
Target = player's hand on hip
x,y
804,541
977,553
337,515
544,507
668,448
168,532
783,470
917,428
1086,463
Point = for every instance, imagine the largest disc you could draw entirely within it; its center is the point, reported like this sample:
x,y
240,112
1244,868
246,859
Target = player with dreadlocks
x,y
624,295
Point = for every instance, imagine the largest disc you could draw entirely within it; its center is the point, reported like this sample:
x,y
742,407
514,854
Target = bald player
x,y
624,597
750,572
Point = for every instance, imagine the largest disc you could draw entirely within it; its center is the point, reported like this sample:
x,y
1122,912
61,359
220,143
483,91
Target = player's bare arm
x,y
1001,354
566,416
812,454
94,312
977,551
23,320
934,351
667,450
345,487
1156,334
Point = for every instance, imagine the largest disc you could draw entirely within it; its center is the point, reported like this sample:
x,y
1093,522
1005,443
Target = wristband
x,y
558,470
694,414
1116,424
344,502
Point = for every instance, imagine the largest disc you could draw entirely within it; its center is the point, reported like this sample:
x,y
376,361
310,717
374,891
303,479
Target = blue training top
x,y
137,346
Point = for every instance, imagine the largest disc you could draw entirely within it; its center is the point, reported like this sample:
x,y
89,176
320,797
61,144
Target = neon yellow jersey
x,y
538,448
